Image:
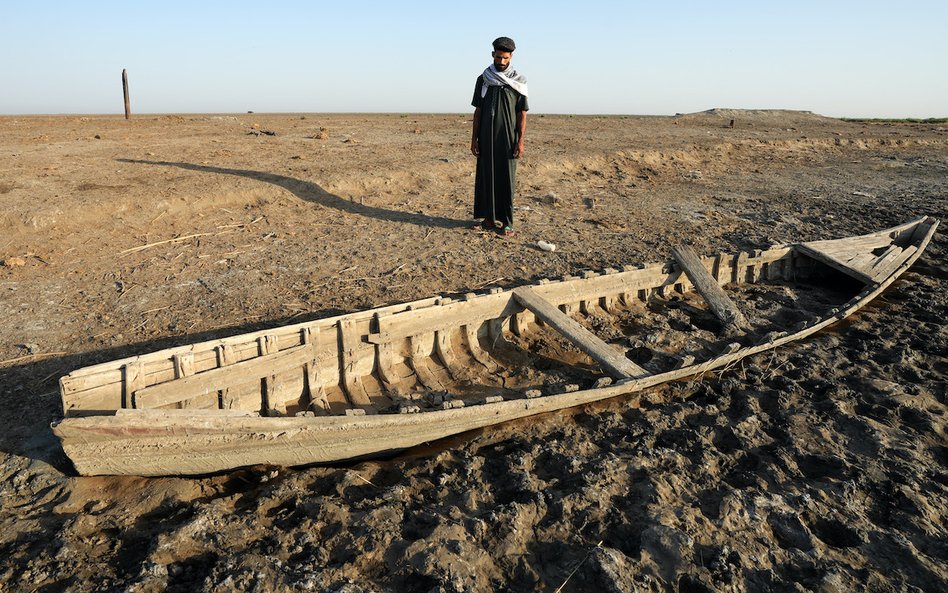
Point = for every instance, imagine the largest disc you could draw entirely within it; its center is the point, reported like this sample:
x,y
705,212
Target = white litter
x,y
546,246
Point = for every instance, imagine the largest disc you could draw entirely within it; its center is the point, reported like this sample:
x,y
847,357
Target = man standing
x,y
500,121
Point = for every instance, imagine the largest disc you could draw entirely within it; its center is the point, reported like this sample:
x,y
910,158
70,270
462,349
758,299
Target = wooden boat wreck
x,y
386,379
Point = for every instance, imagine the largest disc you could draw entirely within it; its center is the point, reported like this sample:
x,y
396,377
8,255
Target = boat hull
x,y
164,441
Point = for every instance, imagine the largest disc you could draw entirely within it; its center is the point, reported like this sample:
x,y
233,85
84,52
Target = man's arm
x,y
521,131
475,149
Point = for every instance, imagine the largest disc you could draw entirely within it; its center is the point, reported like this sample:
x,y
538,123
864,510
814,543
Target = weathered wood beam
x,y
887,268
722,306
223,377
833,262
611,360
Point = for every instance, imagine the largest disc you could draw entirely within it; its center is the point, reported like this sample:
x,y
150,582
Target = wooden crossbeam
x,y
610,359
213,380
834,262
721,305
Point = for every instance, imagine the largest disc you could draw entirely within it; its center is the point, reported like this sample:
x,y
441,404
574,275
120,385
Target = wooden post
x,y
128,106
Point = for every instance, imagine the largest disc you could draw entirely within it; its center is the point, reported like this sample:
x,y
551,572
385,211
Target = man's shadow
x,y
311,192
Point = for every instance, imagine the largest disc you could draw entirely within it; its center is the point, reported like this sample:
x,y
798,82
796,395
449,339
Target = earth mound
x,y
772,117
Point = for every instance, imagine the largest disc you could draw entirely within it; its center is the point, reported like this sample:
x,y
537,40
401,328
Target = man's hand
x,y
521,132
475,146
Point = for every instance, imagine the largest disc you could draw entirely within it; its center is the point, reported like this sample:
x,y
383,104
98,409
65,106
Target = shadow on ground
x,y
311,192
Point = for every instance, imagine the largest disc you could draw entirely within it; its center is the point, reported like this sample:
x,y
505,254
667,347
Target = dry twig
x,y
483,284
364,480
31,356
155,244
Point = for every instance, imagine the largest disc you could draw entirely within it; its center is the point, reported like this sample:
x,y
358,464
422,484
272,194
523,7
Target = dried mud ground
x,y
822,466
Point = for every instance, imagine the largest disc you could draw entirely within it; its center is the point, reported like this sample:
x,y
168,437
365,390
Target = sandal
x,y
481,226
508,231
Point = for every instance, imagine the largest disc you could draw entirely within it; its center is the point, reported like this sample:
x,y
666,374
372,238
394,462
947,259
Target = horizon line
x,y
463,113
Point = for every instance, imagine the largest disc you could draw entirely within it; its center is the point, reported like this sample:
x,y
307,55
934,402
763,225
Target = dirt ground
x,y
822,466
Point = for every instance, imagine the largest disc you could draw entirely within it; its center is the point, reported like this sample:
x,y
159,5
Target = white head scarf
x,y
509,77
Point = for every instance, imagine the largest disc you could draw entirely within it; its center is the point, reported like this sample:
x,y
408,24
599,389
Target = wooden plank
x,y
220,378
865,243
684,361
588,306
571,290
95,376
229,398
350,379
834,263
183,367
269,344
318,401
269,404
177,414
133,379
610,359
739,272
74,384
921,230
887,256
883,272
399,326
861,262
756,266
718,268
721,305
183,364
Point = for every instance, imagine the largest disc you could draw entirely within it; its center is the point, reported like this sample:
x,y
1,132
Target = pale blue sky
x,y
837,58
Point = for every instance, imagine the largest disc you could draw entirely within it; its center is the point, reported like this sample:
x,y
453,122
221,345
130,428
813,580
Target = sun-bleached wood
x,y
611,360
224,377
722,306
103,433
834,262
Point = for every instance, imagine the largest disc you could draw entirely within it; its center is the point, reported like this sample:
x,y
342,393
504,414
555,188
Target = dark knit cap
x,y
504,44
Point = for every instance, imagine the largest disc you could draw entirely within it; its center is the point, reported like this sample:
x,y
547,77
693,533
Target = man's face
x,y
501,59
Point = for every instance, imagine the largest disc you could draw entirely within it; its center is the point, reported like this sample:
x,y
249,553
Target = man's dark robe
x,y
497,136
